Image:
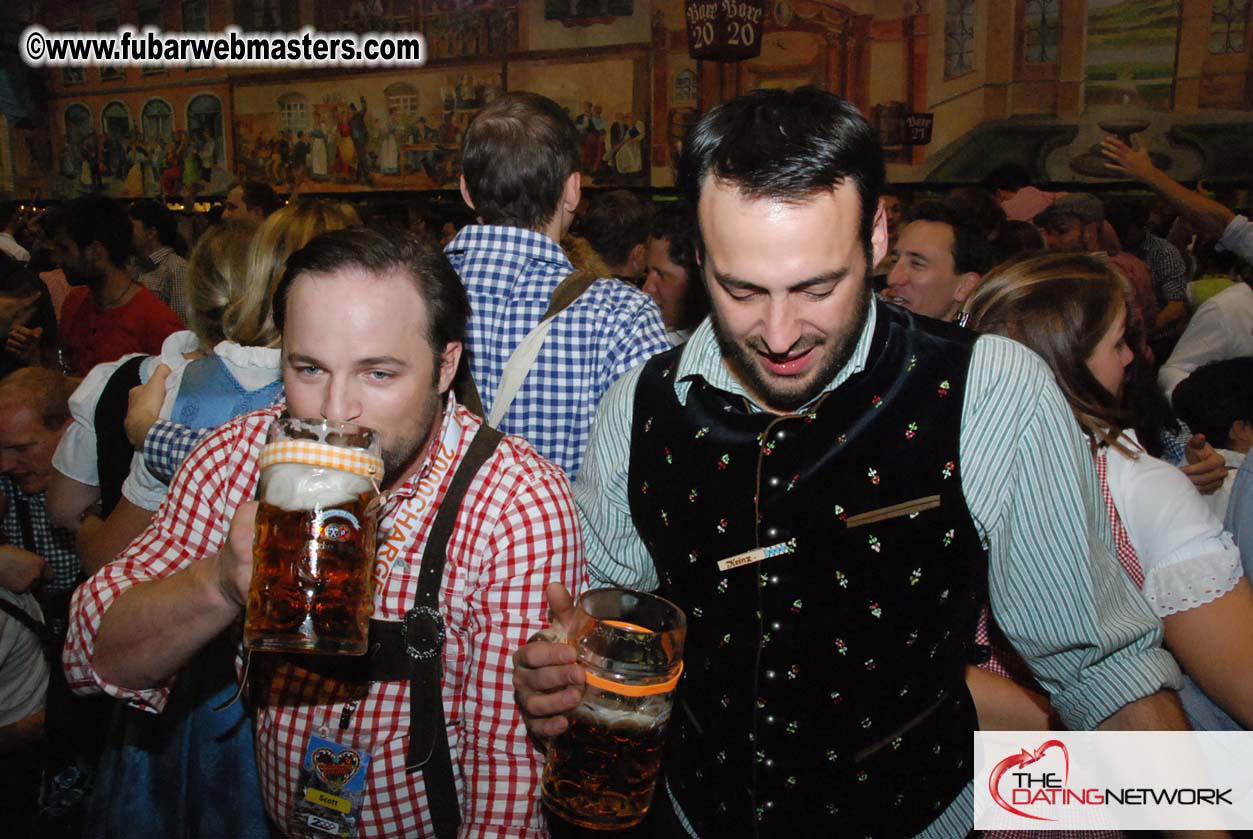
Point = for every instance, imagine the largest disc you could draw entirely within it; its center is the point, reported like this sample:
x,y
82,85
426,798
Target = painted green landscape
x,y
1131,53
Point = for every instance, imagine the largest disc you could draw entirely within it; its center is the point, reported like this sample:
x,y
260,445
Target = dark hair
x,y
380,250
258,195
1015,238
785,145
978,206
8,209
1060,305
971,250
95,218
1215,396
516,156
1010,177
1122,214
673,223
615,222
155,215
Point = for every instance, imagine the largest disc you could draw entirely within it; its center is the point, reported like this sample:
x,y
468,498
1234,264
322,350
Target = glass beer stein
x,y
313,554
601,771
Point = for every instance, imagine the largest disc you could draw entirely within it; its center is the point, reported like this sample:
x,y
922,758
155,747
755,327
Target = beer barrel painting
x,y
724,30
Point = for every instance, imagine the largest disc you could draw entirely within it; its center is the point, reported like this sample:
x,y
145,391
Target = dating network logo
x,y
1029,788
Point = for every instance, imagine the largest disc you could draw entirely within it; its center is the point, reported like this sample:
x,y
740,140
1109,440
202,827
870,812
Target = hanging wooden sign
x,y
724,30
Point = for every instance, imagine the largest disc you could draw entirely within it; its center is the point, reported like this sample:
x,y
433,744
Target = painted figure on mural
x,y
191,164
346,150
317,152
389,152
206,151
360,139
90,176
300,158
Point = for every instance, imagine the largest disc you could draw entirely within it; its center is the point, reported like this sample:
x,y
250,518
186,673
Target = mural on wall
x,y
1130,53
1005,81
127,156
401,132
1172,74
603,99
585,11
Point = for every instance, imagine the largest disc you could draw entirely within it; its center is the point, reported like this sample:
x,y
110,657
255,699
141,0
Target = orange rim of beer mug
x,y
310,453
633,690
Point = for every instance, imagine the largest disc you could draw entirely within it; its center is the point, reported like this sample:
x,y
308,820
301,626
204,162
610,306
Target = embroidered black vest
x,y
823,691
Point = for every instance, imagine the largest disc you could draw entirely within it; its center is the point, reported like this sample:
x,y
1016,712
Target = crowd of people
x,y
989,447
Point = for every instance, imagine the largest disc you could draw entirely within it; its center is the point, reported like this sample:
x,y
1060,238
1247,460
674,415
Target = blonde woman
x,y
232,288
1071,309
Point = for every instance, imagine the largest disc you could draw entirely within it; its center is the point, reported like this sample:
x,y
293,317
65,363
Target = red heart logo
x,y
335,770
1024,758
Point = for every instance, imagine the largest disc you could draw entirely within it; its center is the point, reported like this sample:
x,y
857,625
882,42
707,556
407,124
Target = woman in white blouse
x,y
1072,310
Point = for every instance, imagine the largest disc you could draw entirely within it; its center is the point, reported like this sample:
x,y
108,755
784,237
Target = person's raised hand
x,y
1206,468
143,406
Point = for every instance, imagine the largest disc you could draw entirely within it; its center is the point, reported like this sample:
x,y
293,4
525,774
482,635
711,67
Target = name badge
x,y
328,796
757,555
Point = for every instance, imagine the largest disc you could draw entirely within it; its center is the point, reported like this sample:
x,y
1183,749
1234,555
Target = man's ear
x,y
97,256
1240,436
448,362
967,284
465,193
637,260
572,192
878,237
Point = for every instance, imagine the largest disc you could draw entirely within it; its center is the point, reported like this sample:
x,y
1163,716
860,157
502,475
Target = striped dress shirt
x,y
1055,585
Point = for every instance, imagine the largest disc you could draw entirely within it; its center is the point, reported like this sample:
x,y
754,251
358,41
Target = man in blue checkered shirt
x,y
520,164
34,411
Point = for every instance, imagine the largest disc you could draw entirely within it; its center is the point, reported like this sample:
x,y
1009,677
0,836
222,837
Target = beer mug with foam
x,y
313,555
602,770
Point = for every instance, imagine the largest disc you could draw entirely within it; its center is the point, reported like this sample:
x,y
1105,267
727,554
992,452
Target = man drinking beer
x,y
372,327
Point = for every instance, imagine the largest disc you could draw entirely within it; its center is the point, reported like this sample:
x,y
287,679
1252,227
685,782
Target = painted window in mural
x,y
293,111
685,86
195,16
78,132
402,99
72,75
158,121
204,126
576,9
116,120
1228,25
149,14
959,37
1043,30
109,72
267,15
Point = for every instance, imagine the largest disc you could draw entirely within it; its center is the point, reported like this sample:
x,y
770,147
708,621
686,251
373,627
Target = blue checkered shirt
x,y
167,445
510,274
1170,272
54,544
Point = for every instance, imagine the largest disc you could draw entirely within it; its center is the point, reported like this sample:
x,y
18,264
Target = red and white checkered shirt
x,y
517,531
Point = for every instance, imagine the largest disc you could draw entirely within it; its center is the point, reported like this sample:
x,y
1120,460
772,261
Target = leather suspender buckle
x,y
422,631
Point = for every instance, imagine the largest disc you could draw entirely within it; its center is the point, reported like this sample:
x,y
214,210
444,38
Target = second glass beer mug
x,y
602,771
313,554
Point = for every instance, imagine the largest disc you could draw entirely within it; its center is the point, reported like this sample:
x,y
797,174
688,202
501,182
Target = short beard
x,y
399,459
746,367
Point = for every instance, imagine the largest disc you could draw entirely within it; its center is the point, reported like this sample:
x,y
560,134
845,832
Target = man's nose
x,y
340,401
782,329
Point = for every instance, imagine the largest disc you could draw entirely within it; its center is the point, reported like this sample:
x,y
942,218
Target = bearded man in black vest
x,y
877,477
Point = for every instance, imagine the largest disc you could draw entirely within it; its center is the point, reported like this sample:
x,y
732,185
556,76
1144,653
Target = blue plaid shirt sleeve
x,y
167,445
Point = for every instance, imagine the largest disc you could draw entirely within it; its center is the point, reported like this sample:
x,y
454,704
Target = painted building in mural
x,y
1035,82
